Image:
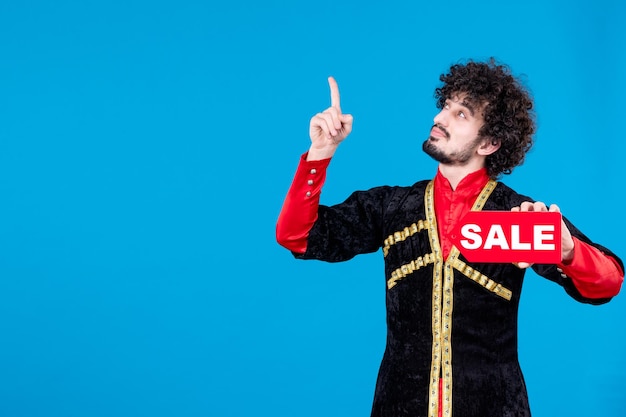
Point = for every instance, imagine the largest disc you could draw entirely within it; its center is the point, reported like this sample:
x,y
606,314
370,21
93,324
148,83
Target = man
x,y
452,325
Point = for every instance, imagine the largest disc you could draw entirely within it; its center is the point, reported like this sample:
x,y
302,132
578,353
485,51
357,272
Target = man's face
x,y
454,137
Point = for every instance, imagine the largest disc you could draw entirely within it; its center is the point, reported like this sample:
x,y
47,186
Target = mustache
x,y
443,129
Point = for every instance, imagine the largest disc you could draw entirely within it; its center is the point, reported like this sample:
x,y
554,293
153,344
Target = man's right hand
x,y
329,128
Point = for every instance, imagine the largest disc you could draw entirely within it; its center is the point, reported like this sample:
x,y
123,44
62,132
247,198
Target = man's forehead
x,y
473,105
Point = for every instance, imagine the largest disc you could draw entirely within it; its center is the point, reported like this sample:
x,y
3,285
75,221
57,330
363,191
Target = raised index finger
x,y
334,93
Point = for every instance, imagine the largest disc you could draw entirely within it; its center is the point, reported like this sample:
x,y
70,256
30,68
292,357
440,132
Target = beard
x,y
437,154
455,158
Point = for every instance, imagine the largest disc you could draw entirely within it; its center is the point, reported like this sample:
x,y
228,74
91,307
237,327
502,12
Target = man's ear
x,y
489,146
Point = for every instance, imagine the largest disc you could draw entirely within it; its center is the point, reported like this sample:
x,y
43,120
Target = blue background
x,y
146,147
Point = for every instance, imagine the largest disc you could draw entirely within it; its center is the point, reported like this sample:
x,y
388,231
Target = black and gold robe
x,y
447,319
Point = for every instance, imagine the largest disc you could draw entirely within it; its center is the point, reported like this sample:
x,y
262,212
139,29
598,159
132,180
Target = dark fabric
x,y
487,380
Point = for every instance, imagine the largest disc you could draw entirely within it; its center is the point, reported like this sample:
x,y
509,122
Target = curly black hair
x,y
508,109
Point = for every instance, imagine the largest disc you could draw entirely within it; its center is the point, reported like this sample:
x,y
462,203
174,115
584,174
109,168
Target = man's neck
x,y
455,173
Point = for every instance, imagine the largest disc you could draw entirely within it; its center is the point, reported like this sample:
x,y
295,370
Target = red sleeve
x,y
299,210
594,274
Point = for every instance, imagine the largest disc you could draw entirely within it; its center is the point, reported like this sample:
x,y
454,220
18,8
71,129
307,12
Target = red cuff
x,y
299,211
594,274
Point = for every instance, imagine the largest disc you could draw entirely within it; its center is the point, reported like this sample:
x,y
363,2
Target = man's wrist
x,y
316,154
568,254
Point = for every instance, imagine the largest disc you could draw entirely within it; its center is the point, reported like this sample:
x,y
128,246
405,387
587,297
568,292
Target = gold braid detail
x,y
479,278
409,268
401,235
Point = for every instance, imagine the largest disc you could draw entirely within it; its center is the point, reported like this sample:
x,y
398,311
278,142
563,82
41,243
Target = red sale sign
x,y
505,236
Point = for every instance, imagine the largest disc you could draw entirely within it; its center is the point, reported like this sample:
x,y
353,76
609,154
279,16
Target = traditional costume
x,y
451,324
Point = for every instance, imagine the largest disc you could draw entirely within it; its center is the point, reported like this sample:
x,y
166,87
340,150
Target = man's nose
x,y
441,119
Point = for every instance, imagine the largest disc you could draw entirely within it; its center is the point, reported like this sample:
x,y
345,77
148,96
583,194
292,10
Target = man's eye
x,y
446,106
462,114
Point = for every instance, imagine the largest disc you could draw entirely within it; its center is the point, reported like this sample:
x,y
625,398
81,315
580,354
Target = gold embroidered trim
x,y
435,370
481,279
446,334
441,364
409,268
401,235
484,195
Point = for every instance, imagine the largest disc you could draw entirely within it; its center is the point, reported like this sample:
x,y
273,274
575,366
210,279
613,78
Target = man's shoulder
x,y
404,197
505,196
420,185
